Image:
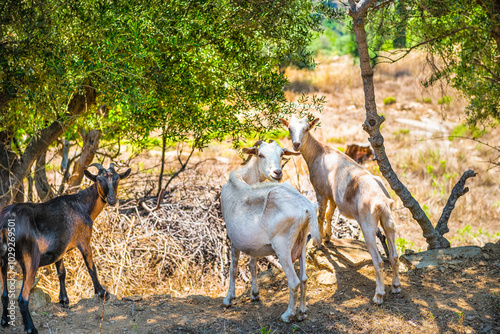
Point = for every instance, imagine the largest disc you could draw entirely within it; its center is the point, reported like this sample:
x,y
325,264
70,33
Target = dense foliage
x,y
202,68
196,69
463,41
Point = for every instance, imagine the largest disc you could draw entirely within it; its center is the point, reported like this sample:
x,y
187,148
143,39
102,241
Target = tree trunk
x,y
372,127
13,172
90,146
42,185
162,169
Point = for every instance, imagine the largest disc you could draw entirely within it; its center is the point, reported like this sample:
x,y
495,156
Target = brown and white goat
x,y
357,193
40,234
266,218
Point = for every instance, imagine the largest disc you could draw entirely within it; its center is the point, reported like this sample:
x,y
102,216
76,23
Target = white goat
x,y
264,218
356,192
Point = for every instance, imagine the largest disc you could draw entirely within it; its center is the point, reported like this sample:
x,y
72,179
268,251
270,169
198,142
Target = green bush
x,y
425,100
445,100
389,100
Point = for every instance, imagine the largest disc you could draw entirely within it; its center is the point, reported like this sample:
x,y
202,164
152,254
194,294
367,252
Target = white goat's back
x,y
255,214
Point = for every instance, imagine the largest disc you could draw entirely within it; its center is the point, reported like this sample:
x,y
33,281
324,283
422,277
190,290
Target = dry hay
x,y
137,252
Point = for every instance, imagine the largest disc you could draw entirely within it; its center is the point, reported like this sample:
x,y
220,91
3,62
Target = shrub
x,y
445,100
425,100
389,100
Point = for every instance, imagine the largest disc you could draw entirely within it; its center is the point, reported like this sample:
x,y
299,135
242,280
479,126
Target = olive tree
x,y
198,70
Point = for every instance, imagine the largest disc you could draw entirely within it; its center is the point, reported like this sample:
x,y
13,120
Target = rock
x,y
433,257
353,251
134,298
38,297
487,329
326,278
409,251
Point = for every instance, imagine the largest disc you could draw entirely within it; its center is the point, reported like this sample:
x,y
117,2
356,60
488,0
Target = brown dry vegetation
x,y
181,249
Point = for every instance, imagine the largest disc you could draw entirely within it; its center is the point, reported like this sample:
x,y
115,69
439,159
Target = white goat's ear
x,y
90,176
284,122
289,152
251,150
313,123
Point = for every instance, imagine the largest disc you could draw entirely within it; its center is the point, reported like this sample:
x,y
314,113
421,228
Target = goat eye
x,y
261,156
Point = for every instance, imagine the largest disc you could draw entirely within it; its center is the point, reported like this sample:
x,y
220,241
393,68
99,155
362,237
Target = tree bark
x,y
90,146
14,173
458,190
372,126
42,185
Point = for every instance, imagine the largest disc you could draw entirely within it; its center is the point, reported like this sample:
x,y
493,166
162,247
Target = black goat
x,y
44,232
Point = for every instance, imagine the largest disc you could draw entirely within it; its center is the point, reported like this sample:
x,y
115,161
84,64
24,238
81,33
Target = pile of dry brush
x,y
141,252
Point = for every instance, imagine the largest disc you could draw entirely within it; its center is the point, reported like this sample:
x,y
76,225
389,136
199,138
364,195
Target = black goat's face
x,y
107,182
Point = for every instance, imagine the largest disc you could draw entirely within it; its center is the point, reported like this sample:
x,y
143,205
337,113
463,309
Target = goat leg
x,y
89,262
5,294
61,273
383,240
303,285
283,252
255,293
29,265
233,271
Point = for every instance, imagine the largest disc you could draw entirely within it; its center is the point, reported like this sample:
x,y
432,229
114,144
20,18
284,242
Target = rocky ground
x,y
452,291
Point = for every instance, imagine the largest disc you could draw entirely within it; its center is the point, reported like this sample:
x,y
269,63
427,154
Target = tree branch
x,y
458,190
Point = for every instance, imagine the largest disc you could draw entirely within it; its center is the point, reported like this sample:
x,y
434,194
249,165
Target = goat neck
x,y
92,201
250,173
311,149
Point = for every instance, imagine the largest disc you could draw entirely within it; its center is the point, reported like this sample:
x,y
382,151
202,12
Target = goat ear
x,y
250,151
285,122
289,152
313,123
126,174
90,176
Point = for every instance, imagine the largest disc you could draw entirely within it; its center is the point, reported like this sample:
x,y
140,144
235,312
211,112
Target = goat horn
x,y
247,160
257,143
98,166
271,141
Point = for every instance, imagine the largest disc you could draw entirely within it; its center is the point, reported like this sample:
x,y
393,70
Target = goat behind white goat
x,y
265,218
357,193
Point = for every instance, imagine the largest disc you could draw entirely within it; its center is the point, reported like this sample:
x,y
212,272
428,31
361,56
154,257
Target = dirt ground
x,y
460,298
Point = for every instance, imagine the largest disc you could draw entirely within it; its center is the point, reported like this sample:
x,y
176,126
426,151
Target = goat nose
x,y
296,146
278,172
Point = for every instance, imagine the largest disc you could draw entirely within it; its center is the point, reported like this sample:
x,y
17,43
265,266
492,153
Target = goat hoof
x,y
64,302
396,288
378,299
103,294
227,302
32,331
256,297
285,317
301,315
4,323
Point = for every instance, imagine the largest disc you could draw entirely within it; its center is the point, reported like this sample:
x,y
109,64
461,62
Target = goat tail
x,y
314,226
383,213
